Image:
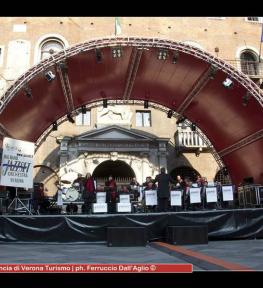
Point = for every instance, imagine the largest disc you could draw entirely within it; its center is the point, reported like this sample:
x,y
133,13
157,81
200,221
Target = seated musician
x,y
111,189
134,187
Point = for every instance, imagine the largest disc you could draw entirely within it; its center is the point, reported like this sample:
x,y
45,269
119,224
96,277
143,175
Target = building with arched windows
x,y
126,138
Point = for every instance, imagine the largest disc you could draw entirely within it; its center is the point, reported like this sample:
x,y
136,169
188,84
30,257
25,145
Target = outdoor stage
x,y
222,225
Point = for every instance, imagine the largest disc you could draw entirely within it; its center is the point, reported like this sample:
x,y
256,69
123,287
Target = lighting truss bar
x,y
132,72
242,143
195,90
63,75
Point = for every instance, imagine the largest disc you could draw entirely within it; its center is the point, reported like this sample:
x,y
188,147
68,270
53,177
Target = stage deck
x,y
222,225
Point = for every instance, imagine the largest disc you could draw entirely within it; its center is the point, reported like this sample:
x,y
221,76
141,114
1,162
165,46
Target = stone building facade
x,y
136,139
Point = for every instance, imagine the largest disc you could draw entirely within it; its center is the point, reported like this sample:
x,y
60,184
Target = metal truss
x,y
63,75
230,70
194,91
243,142
140,43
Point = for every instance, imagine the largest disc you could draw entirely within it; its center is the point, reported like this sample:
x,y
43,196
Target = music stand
x,y
17,200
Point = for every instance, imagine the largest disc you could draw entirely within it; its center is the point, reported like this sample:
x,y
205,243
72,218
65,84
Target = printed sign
x,y
195,196
100,208
211,194
101,197
151,197
124,198
227,193
176,198
124,207
17,163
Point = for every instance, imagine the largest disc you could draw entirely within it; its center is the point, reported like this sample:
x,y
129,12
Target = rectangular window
x,y
143,118
83,119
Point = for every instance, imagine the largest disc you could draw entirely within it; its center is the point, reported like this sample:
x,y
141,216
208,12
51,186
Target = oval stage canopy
x,y
223,102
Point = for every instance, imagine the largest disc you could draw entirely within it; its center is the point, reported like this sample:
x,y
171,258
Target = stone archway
x,y
120,170
185,172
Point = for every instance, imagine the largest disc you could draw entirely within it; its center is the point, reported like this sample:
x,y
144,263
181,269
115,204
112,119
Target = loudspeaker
x,y
187,234
126,236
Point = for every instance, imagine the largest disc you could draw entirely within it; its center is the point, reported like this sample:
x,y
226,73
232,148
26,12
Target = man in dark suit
x,y
163,191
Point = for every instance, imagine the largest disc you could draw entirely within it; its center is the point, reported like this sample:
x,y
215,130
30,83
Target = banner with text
x,y
195,195
17,163
151,197
227,193
176,198
211,194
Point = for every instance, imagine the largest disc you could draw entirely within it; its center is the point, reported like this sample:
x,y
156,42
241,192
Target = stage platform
x,y
222,225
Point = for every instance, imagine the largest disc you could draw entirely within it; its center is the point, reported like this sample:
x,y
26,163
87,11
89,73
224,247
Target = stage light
x,y
54,126
28,92
169,114
105,103
228,83
180,120
116,52
193,127
83,109
146,104
245,99
50,76
162,54
98,55
225,171
175,57
70,119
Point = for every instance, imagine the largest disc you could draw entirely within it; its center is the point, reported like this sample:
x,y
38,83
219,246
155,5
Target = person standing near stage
x,y
111,189
89,193
163,191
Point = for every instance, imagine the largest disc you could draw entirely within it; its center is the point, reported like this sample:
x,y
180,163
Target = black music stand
x,y
17,200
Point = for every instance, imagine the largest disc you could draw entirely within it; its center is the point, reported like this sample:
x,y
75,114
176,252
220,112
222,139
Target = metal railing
x,y
189,139
250,68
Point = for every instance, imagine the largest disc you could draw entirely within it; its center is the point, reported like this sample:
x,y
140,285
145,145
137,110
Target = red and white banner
x,y
96,268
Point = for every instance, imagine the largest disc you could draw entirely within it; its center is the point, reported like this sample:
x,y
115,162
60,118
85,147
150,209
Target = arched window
x,y
222,177
185,172
50,46
249,62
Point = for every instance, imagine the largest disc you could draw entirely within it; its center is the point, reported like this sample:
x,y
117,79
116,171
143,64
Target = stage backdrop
x,y
17,163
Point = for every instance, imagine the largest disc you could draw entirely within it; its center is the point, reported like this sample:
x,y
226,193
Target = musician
x,y
179,182
134,187
149,179
89,193
111,189
163,191
79,183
